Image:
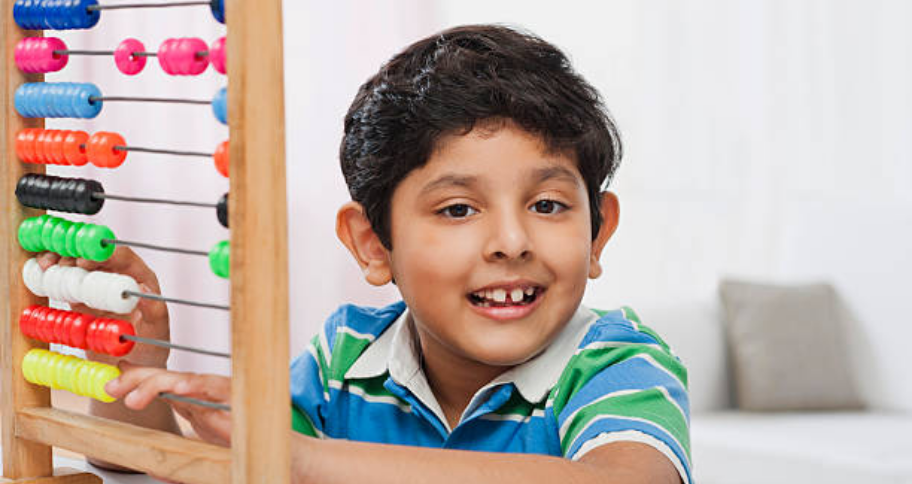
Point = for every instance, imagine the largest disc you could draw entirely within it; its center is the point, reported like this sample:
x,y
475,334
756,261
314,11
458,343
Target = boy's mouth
x,y
505,296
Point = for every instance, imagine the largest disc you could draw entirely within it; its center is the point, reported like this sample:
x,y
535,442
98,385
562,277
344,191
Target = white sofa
x,y
731,446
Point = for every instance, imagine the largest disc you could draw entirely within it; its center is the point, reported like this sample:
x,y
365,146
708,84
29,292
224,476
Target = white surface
x,y
801,448
106,477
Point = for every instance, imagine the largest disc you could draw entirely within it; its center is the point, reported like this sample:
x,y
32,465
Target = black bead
x,y
221,210
90,204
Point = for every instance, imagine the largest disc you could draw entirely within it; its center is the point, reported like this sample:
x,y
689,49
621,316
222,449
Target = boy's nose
x,y
509,239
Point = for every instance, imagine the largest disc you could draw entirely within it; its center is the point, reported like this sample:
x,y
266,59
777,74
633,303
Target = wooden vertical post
x,y
260,404
21,458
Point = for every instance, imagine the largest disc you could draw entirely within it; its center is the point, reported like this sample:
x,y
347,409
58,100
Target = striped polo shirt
x,y
605,378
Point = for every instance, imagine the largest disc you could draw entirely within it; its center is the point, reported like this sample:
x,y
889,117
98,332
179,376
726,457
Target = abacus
x,y
252,106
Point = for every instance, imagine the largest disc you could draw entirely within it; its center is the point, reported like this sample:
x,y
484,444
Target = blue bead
x,y
89,109
220,105
218,10
26,14
58,100
81,16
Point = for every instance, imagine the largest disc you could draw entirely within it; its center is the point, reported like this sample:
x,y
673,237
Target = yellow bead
x,y
29,364
105,374
65,380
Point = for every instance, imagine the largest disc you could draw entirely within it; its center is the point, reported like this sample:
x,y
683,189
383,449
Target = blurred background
x,y
766,141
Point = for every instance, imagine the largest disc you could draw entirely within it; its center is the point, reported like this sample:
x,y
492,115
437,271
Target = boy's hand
x,y
149,318
139,386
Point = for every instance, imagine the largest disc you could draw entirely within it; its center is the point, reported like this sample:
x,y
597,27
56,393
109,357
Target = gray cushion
x,y
788,347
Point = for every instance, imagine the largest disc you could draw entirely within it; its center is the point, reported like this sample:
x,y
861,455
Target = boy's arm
x,y
341,461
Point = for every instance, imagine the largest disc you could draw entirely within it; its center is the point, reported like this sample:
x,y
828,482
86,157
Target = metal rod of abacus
x,y
149,99
156,297
108,196
199,53
147,5
166,344
195,401
152,246
164,152
160,151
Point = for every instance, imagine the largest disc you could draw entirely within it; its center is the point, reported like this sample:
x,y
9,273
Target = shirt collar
x,y
395,351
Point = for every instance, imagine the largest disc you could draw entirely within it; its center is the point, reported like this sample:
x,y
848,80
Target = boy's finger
x,y
206,387
131,376
47,259
149,388
66,262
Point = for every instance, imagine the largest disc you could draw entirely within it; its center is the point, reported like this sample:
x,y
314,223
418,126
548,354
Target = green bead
x,y
91,246
58,238
32,235
219,260
47,232
25,239
71,239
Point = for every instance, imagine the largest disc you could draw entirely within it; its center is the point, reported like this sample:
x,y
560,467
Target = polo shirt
x,y
605,378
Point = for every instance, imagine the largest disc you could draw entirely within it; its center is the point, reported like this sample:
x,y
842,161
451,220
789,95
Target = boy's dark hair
x,y
462,76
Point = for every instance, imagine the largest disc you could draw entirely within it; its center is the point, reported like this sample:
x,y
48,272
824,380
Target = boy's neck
x,y
453,380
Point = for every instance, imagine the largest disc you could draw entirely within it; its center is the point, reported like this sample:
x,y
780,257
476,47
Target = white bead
x,y
88,294
117,303
32,276
52,282
72,283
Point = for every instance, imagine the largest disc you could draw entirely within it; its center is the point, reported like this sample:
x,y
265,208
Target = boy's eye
x,y
548,206
459,210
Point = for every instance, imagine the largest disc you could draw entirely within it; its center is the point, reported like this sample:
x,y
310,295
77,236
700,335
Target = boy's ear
x,y
355,231
610,208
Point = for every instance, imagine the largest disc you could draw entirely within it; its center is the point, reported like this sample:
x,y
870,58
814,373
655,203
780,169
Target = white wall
x,y
764,139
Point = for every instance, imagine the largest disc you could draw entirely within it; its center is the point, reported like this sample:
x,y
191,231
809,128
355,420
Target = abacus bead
x,y
43,323
70,364
220,105
62,331
58,238
78,329
218,57
100,149
25,321
126,62
221,158
219,259
59,326
47,232
83,105
32,276
71,245
29,365
105,374
218,10
74,149
23,234
93,331
25,144
82,197
75,14
221,210
117,346
51,281
94,247
72,283
179,56
114,301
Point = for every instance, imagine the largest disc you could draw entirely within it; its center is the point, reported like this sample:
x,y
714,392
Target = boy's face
x,y
492,246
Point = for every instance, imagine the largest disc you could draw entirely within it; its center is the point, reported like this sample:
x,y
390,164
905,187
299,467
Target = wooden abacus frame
x,y
260,402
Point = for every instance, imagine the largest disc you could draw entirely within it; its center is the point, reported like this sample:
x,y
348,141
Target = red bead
x,y
62,332
78,328
55,147
181,56
92,330
57,327
221,158
42,328
101,149
25,321
114,345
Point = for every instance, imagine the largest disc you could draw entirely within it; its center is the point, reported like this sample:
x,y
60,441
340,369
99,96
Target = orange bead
x,y
40,145
221,158
74,148
55,147
25,145
101,152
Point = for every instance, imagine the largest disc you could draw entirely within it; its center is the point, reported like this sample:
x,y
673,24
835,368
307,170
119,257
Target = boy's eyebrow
x,y
449,180
552,172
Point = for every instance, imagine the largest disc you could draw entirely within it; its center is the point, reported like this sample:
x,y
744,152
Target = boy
x,y
475,160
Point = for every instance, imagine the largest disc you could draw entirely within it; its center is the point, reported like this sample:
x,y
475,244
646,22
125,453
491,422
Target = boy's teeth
x,y
489,294
499,295
529,291
516,295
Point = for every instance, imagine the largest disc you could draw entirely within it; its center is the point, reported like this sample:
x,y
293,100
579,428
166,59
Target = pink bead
x,y
126,62
217,56
36,54
181,57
